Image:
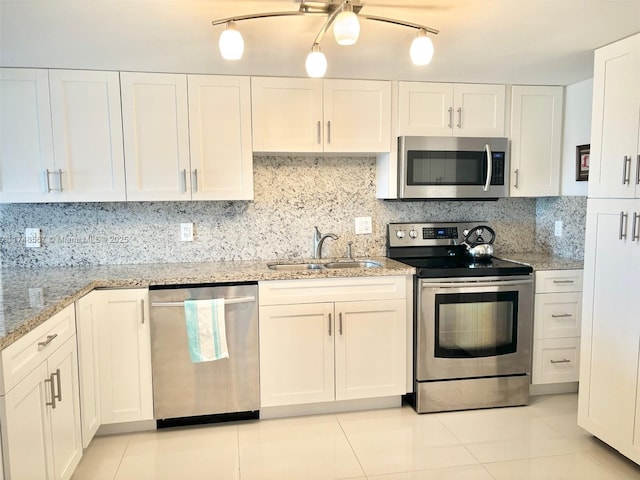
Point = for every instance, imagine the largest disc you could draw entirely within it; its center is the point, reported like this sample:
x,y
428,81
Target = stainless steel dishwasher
x,y
186,392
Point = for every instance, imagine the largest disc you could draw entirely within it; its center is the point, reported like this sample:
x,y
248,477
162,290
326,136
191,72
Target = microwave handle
x,y
487,149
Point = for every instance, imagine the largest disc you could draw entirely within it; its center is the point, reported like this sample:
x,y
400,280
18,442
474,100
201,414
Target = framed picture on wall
x,y
582,162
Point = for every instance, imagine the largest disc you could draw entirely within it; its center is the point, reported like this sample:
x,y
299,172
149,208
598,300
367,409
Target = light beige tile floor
x,y
540,441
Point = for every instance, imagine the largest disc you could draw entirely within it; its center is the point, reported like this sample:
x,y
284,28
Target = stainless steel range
x,y
473,319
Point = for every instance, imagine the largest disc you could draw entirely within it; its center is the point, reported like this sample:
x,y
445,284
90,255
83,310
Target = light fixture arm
x,y
399,22
329,22
261,15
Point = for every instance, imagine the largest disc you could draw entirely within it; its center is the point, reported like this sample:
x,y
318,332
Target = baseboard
x,y
127,427
331,407
553,388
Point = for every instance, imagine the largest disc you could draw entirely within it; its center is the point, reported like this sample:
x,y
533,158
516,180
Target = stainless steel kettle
x,y
477,245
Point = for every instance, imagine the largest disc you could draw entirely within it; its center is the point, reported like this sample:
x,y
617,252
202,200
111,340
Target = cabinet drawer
x,y
282,292
21,357
552,281
557,315
556,360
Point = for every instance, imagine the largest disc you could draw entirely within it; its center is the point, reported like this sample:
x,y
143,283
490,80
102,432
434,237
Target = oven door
x,y
477,327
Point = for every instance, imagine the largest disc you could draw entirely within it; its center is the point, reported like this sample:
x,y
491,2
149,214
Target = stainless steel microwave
x,y
453,168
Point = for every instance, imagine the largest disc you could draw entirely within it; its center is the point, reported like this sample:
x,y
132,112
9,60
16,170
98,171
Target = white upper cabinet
x,y
220,137
155,121
187,137
536,140
313,115
614,169
61,136
87,136
445,109
26,144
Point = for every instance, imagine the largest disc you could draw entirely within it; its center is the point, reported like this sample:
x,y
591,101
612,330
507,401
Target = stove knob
x,y
400,233
413,234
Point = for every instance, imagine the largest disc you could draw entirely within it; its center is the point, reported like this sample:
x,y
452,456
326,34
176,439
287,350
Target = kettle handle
x,y
474,230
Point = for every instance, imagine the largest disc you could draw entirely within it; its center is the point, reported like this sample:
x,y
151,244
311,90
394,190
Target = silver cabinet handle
x,y
52,403
340,316
635,229
194,180
626,170
59,179
46,174
319,132
48,340
563,315
564,360
328,131
184,180
58,396
623,226
638,170
515,173
459,117
142,310
450,117
329,324
487,149
563,281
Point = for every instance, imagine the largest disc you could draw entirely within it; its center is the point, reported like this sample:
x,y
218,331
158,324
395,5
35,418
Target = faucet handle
x,y
349,255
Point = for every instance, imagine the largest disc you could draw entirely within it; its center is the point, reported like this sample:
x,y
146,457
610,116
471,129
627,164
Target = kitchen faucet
x,y
318,240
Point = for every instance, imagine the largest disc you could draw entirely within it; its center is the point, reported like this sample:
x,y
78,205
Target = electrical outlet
x,y
558,228
36,297
33,239
186,232
363,225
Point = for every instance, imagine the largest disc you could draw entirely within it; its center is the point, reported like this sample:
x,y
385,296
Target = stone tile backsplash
x,y
292,195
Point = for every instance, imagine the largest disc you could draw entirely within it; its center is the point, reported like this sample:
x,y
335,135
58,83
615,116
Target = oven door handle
x,y
491,283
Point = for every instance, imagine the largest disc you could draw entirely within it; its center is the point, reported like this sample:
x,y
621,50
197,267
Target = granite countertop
x,y
542,261
30,296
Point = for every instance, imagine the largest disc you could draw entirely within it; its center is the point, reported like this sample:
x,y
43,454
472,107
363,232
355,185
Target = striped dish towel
x,y
206,333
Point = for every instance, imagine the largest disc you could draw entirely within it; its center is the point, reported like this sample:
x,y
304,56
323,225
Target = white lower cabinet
x,y
557,318
316,350
41,433
124,356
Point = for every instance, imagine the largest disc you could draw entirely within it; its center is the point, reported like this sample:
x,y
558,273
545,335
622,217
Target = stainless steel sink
x,y
354,264
321,266
295,266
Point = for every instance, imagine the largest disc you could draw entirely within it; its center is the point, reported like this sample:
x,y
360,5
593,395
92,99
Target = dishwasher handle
x,y
227,301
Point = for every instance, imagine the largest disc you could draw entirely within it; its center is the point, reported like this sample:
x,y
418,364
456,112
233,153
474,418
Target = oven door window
x,y
470,325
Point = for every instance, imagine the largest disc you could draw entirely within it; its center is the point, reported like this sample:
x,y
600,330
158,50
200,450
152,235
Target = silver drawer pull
x,y
329,324
564,315
563,281
47,341
564,360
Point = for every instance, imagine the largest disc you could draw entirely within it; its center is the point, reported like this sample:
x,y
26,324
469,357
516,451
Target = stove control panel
x,y
428,234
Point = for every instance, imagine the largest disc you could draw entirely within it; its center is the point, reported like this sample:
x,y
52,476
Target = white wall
x,y
577,131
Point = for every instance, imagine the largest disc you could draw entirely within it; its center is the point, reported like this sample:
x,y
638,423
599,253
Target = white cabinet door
x,y
615,130
445,109
296,354
26,428
370,346
425,108
287,114
125,356
220,137
87,318
156,136
610,328
536,140
479,110
26,142
87,136
357,116
66,436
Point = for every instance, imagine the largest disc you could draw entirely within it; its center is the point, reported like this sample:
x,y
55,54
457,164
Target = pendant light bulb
x,y
231,42
346,27
316,63
421,49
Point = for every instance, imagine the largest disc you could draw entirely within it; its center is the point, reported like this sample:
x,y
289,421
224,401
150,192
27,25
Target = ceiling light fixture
x,y
231,42
346,28
343,15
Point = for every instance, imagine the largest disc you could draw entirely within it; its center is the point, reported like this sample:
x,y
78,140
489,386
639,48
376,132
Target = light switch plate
x,y
186,232
558,228
363,225
33,239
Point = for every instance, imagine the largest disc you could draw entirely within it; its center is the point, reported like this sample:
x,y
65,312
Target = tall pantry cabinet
x,y
609,398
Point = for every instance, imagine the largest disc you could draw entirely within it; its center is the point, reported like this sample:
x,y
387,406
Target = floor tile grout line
x,y
124,452
351,446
